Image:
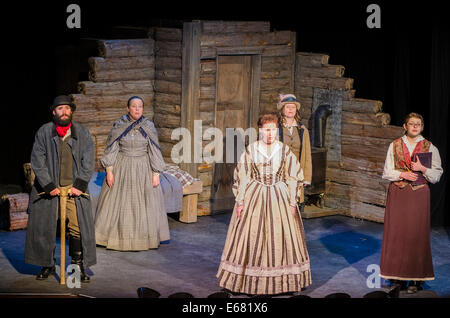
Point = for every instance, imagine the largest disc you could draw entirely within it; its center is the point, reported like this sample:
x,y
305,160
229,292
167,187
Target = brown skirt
x,y
406,250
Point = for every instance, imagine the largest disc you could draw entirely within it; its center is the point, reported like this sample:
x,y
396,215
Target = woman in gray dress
x,y
130,214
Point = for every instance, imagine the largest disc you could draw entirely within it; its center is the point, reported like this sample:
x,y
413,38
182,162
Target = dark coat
x,y
43,209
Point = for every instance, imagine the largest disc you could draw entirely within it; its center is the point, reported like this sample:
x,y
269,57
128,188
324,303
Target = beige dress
x,y
265,250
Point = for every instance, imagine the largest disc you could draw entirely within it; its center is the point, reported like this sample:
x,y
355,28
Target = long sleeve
x,y
434,173
109,156
87,162
293,174
306,162
389,172
38,163
241,176
154,152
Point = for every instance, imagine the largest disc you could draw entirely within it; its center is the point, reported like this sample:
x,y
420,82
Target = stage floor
x,y
341,250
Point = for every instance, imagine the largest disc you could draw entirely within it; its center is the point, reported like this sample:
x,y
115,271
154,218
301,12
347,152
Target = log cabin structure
x,y
227,74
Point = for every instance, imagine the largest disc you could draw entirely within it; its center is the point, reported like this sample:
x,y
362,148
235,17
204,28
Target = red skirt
x,y
406,249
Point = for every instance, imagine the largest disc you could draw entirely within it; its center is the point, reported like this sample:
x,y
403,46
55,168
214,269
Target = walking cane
x,y
63,194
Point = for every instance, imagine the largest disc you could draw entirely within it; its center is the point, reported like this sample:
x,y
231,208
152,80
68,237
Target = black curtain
x,y
438,118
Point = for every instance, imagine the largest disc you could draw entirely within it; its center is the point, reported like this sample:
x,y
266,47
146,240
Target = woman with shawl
x,y
131,214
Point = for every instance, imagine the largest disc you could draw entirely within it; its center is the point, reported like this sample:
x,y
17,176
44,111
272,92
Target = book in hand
x,y
425,159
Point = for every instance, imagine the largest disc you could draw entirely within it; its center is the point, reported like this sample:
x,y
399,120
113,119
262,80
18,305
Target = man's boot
x,y
46,271
76,252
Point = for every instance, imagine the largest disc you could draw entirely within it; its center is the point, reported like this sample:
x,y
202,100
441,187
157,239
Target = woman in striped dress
x,y
265,250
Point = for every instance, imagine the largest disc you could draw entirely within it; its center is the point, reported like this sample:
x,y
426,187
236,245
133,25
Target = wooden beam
x,y
190,84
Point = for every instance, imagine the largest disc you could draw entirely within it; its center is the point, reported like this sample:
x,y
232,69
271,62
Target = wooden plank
x,y
364,147
207,79
366,180
312,59
168,63
207,92
246,39
165,135
276,63
293,61
275,84
206,178
387,132
116,88
188,213
98,64
167,87
235,27
370,165
168,99
327,83
276,74
125,48
104,114
255,89
169,75
304,92
195,187
329,71
190,84
348,94
208,67
357,209
167,34
166,120
169,49
87,102
361,105
132,74
379,119
206,105
168,108
210,52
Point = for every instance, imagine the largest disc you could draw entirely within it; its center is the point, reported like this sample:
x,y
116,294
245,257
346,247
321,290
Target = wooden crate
x,y
13,210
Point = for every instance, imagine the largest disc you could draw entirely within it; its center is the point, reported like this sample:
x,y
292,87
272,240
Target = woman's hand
x,y
110,179
417,166
411,176
293,210
239,209
155,180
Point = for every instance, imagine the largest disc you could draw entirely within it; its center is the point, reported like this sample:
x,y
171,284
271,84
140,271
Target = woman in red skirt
x,y
406,250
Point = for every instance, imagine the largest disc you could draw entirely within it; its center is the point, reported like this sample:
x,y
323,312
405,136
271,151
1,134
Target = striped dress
x,y
265,250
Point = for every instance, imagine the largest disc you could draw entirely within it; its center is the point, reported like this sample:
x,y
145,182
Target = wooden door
x,y
232,111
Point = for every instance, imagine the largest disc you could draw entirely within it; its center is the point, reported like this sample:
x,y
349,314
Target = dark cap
x,y
62,100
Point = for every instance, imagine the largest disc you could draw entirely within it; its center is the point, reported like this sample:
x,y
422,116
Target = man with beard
x,y
62,158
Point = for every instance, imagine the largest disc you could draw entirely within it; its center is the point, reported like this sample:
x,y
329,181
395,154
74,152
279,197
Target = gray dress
x,y
131,215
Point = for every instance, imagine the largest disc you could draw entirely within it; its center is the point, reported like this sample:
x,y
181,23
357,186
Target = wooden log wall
x,y
13,211
353,183
123,68
277,50
167,98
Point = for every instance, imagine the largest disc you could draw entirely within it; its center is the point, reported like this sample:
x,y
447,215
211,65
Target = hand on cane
x,y
55,192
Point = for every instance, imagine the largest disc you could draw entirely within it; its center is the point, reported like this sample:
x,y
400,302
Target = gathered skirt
x,y
131,215
406,248
265,250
